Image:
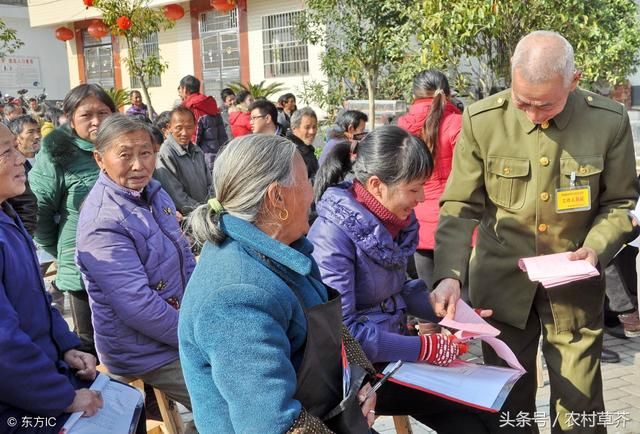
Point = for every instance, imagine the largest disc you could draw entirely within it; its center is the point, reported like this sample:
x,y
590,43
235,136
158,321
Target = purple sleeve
x,y
30,379
416,296
335,254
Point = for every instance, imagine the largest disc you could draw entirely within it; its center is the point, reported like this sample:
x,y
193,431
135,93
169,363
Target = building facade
x,y
39,64
256,41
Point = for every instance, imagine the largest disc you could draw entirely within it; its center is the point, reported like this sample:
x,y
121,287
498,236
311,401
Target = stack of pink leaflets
x,y
557,269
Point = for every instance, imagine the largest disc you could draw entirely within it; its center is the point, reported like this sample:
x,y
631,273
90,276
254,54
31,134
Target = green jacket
x,y
505,174
62,176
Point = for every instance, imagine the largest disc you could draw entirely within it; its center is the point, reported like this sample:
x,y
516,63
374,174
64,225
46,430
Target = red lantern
x,y
124,23
98,29
223,5
173,12
88,3
64,34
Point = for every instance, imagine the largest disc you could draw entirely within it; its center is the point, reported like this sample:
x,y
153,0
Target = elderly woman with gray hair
x,y
134,259
261,338
304,127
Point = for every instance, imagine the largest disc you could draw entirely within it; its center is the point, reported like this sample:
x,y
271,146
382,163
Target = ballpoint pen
x,y
380,382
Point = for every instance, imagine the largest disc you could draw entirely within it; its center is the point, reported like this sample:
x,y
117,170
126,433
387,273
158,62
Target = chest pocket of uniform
x,y
587,170
506,181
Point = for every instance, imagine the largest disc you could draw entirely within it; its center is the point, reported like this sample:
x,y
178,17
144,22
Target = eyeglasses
x,y
253,118
359,136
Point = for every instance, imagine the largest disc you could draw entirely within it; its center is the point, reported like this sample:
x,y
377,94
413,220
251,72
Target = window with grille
x,y
98,60
145,48
284,51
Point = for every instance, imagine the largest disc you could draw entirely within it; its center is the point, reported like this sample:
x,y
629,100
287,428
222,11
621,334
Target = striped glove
x,y
438,349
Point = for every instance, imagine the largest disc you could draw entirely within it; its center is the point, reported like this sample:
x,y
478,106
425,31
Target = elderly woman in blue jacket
x,y
43,374
134,259
365,233
261,339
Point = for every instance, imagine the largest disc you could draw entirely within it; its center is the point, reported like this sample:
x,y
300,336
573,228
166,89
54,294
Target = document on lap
x,y
556,269
118,414
481,386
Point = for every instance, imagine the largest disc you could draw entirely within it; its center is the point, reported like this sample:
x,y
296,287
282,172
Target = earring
x,y
285,216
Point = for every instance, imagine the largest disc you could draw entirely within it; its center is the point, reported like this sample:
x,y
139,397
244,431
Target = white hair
x,y
242,174
543,55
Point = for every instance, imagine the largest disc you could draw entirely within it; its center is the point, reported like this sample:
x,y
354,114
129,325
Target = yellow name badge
x,y
571,199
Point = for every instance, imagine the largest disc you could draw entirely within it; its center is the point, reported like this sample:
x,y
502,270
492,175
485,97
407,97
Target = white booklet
x,y
118,414
480,386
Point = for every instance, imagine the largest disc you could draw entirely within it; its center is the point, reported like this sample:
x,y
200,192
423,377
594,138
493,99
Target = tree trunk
x,y
143,83
372,84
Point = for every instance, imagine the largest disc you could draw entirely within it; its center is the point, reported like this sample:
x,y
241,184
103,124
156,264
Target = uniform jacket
x,y
34,337
308,154
135,263
358,257
210,134
448,131
62,176
505,174
240,123
184,174
242,330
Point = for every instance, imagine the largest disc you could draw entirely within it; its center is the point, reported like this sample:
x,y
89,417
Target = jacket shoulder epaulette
x,y
601,102
491,103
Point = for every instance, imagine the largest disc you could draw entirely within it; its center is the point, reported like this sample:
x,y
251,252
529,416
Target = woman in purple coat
x,y
364,234
135,261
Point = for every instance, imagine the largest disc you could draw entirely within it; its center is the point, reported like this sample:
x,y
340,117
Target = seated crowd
x,y
302,291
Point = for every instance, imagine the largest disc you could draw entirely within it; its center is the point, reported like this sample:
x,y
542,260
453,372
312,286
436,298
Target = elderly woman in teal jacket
x,y
255,309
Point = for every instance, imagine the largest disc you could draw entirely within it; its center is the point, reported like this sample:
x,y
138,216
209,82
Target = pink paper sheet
x,y
470,325
557,269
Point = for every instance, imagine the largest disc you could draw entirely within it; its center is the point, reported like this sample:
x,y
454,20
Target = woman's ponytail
x,y
333,169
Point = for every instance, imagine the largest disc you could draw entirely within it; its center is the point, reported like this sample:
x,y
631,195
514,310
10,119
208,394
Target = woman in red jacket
x,y
239,116
434,119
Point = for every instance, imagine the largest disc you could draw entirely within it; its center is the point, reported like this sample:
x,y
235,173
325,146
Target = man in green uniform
x,y
541,168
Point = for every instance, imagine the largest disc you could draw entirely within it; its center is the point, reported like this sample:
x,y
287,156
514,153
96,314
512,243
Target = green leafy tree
x,y
120,97
135,21
258,90
9,41
477,37
361,38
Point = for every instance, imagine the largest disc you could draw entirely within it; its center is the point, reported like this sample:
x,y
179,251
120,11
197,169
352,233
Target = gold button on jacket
x,y
497,181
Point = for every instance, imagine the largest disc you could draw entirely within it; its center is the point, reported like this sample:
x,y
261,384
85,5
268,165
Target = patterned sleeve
x,y
308,424
354,352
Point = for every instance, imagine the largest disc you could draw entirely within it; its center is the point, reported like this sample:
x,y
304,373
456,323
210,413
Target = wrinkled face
x,y
307,130
297,201
29,140
182,127
229,100
260,123
402,198
130,160
136,99
88,117
541,102
12,172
